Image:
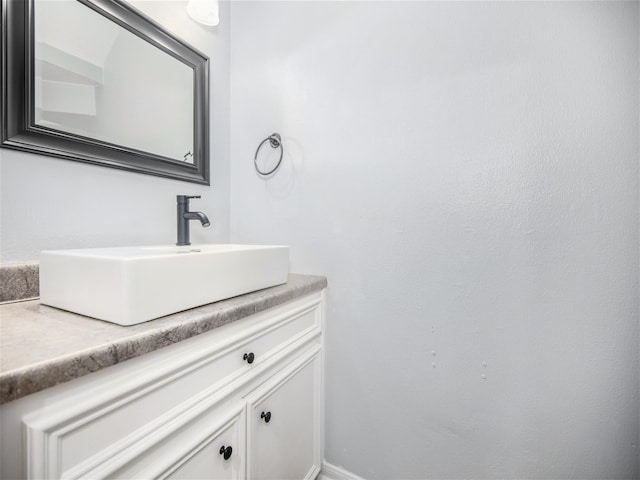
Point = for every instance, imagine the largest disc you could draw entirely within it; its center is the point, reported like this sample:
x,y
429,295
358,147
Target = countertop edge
x,y
149,337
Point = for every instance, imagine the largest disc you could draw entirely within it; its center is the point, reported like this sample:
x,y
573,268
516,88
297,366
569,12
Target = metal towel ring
x,y
275,141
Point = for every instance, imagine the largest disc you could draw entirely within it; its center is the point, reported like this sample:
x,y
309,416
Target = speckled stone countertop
x,y
42,346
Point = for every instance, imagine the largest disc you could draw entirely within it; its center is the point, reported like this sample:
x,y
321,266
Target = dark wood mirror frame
x,y
18,128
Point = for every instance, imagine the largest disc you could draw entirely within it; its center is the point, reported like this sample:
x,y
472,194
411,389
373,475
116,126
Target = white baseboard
x,y
331,472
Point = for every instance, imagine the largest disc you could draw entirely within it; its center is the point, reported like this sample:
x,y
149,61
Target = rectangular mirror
x,y
98,82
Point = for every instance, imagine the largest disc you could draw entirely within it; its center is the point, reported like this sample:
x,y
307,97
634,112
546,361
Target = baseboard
x,y
331,472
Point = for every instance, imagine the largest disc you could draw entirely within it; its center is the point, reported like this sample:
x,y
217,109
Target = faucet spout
x,y
204,221
184,216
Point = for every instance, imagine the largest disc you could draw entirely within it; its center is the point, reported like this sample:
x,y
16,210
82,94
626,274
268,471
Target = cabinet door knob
x,y
266,417
226,452
249,357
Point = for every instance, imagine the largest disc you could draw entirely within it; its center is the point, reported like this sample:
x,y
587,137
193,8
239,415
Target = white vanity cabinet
x,y
197,409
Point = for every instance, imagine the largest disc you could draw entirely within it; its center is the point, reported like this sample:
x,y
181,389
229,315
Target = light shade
x,y
204,11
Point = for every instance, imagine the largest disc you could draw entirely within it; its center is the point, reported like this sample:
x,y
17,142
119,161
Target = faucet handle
x,y
185,198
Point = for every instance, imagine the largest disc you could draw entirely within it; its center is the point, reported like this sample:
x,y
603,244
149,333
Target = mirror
x,y
97,81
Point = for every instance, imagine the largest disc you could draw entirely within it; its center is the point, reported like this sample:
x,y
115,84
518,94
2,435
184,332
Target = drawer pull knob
x,y
226,452
266,417
249,357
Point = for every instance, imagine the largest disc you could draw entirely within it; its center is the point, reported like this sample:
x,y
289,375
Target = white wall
x,y
53,203
466,175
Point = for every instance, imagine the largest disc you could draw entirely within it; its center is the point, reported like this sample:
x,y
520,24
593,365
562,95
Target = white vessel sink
x,y
131,285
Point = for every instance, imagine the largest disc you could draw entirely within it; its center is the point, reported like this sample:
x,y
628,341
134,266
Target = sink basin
x,y
131,285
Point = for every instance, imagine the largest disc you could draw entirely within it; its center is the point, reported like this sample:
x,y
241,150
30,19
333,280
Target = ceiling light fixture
x,y
204,11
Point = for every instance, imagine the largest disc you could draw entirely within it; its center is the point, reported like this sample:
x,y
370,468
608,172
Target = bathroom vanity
x,y
230,390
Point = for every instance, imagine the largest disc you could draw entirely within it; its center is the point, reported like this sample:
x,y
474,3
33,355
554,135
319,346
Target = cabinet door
x,y
284,424
218,457
195,451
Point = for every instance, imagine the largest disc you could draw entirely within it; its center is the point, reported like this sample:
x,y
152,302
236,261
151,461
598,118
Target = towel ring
x,y
276,142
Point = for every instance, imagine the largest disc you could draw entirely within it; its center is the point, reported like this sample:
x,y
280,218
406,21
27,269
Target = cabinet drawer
x,y
281,334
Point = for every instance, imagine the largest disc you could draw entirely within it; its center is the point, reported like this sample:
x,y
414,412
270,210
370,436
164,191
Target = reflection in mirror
x,y
98,80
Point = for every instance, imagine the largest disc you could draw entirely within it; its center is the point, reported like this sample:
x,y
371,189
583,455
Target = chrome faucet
x,y
184,215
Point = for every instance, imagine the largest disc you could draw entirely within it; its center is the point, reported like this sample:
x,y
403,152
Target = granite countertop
x,y
42,346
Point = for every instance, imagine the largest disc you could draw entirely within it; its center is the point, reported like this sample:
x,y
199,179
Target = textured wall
x,y
52,203
466,175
